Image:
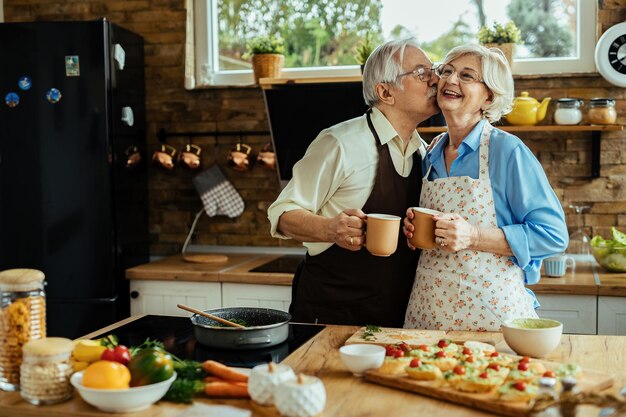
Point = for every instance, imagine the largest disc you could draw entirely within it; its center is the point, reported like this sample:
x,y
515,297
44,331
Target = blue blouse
x,y
527,210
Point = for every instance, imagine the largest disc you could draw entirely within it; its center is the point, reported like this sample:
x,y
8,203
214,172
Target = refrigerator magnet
x,y
53,95
72,66
12,99
25,83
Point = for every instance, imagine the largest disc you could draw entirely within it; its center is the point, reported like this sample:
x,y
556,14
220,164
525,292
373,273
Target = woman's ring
x,y
351,243
442,242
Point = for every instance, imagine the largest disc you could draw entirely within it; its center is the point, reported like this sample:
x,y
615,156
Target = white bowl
x,y
122,400
532,336
361,357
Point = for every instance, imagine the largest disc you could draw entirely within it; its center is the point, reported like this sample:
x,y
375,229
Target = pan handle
x,y
260,340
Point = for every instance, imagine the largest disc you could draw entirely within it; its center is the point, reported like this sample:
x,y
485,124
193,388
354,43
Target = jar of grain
x,y
22,318
602,111
46,370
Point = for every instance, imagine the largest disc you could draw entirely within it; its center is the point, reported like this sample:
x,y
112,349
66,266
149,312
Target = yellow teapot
x,y
527,110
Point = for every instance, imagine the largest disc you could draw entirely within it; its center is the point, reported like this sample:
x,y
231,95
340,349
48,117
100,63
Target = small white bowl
x,y
361,357
122,400
532,336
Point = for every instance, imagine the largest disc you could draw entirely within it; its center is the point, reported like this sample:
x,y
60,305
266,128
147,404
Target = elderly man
x,y
370,164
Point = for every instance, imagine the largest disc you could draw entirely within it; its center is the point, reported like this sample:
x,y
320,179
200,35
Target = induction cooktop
x,y
176,333
286,264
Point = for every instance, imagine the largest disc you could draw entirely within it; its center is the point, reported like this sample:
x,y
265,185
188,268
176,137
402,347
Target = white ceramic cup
x,y
556,266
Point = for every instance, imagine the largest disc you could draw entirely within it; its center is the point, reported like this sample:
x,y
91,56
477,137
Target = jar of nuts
x,y
46,370
22,318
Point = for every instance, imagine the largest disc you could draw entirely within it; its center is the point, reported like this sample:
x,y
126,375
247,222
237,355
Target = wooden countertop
x,y
348,396
585,279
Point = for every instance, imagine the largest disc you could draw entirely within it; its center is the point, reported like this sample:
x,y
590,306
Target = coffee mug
x,y
165,156
190,156
424,233
267,158
381,234
239,157
555,266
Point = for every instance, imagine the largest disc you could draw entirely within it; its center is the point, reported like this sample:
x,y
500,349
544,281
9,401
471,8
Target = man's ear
x,y
384,94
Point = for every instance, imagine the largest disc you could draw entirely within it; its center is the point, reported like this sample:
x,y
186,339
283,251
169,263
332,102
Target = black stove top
x,y
176,333
287,264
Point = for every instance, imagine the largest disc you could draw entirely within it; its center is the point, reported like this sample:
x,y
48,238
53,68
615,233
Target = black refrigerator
x,y
73,172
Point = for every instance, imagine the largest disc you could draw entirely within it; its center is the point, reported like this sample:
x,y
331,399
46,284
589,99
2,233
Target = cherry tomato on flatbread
x,y
443,343
523,366
459,370
415,363
549,374
494,366
520,386
440,354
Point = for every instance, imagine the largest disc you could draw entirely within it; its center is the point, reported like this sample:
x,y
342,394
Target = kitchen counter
x,y
586,279
348,396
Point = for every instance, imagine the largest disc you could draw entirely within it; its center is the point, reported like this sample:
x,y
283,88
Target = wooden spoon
x,y
210,316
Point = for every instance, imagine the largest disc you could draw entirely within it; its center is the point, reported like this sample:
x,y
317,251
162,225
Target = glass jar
x,y
22,318
602,111
46,370
568,111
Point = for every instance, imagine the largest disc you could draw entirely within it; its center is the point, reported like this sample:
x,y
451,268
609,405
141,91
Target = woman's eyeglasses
x,y
466,75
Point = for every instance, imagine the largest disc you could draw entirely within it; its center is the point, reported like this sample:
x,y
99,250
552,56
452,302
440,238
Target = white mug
x,y
555,266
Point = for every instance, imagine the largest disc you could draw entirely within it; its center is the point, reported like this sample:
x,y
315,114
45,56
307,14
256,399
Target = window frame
x,y
206,52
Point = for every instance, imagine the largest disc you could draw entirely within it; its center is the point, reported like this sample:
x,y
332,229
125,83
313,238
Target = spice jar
x,y
46,370
568,111
602,111
22,318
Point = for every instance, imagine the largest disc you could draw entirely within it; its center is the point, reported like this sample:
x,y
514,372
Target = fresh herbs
x,y
148,343
370,329
183,390
109,341
234,320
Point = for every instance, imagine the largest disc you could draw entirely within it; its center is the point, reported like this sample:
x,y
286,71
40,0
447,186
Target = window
x,y
320,35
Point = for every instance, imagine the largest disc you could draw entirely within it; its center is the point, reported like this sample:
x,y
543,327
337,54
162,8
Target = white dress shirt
x,y
338,171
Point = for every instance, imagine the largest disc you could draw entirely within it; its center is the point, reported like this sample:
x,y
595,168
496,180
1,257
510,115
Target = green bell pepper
x,y
150,366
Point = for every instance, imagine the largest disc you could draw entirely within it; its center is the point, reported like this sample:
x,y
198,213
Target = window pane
x,y
324,33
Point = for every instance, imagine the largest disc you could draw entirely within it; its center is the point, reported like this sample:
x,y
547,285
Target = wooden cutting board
x,y
389,336
590,382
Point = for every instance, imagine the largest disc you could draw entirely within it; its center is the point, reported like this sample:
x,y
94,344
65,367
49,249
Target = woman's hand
x,y
453,233
407,227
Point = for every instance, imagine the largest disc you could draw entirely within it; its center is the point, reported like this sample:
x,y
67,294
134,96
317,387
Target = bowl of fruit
x,y
610,254
115,387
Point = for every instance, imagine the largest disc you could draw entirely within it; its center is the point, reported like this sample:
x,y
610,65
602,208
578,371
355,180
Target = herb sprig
x,y
370,329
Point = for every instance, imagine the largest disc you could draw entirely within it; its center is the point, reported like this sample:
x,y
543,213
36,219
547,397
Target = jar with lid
x,y
568,111
45,371
22,318
602,111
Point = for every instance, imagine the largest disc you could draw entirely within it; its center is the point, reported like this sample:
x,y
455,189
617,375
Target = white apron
x,y
468,289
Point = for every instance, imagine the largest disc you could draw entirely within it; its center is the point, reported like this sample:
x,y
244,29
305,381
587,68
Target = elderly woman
x,y
500,215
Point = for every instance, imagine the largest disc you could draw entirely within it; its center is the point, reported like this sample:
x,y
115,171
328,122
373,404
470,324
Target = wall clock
x,y
611,55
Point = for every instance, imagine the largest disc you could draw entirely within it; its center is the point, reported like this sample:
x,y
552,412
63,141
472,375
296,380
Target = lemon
x,y
618,236
79,366
106,375
88,350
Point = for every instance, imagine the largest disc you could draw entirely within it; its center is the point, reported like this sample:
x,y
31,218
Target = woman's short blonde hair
x,y
496,75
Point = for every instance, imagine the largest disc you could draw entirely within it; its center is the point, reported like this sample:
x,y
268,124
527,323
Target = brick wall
x,y
173,200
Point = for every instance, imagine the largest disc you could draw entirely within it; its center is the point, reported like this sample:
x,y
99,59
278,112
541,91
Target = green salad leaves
x,y
610,254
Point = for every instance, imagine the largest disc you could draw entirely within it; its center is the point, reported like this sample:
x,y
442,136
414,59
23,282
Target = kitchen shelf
x,y
596,136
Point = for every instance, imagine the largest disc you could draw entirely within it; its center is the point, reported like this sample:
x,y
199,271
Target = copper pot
x,y
267,158
239,157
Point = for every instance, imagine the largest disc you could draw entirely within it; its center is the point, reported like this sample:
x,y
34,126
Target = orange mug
x,y
190,156
239,157
267,158
165,156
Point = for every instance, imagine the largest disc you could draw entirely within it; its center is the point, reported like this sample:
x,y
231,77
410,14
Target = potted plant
x,y
501,37
364,49
268,59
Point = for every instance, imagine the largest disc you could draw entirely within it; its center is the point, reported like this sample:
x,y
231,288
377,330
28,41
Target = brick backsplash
x,y
173,200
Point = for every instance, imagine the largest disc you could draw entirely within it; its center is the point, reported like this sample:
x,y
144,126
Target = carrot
x,y
218,379
225,389
223,371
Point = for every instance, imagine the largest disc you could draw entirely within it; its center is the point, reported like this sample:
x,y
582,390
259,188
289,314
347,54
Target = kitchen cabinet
x,y
578,313
253,295
612,315
161,297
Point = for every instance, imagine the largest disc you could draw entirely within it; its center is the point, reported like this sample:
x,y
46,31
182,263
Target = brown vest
x,y
339,286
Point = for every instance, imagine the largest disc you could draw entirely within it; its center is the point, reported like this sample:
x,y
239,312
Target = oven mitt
x,y
218,195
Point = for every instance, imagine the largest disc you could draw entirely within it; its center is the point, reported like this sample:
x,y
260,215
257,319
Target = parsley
x,y
370,329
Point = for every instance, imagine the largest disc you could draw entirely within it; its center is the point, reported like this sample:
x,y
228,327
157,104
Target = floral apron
x,y
468,289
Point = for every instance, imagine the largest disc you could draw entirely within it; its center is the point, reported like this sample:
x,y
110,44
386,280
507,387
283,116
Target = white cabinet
x,y
578,313
254,295
612,315
161,297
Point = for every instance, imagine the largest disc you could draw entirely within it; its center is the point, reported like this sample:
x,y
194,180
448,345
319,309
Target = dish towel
x,y
218,195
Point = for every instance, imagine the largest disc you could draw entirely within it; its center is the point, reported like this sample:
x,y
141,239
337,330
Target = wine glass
x,y
579,239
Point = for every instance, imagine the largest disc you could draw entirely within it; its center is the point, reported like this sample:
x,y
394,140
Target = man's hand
x,y
347,228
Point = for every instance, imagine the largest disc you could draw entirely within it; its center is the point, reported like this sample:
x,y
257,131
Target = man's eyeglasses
x,y
423,73
466,75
